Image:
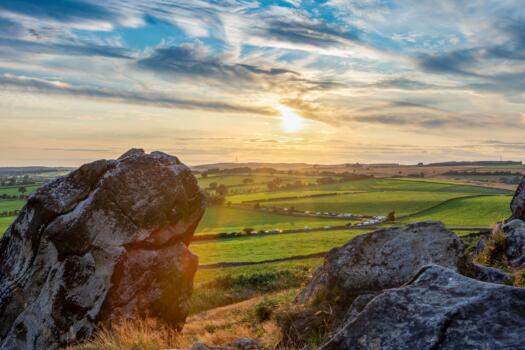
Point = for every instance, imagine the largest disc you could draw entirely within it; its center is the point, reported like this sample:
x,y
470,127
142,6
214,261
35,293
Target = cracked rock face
x,y
439,309
105,242
383,259
514,232
517,205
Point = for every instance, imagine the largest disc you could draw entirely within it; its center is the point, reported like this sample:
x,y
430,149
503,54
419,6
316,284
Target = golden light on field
x,y
290,121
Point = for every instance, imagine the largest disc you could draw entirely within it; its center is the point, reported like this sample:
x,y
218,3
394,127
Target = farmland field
x,y
207,275
260,248
372,203
224,219
267,196
238,180
13,190
408,185
12,204
5,222
479,211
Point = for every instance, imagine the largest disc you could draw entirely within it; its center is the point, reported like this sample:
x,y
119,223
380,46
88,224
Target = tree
x,y
204,175
213,185
247,180
22,190
391,216
247,230
221,190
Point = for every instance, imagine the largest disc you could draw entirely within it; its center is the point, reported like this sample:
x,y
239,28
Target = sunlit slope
x,y
224,219
482,211
278,246
371,203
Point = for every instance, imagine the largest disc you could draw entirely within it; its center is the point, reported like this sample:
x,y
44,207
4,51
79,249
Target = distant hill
x,y
477,163
252,165
14,171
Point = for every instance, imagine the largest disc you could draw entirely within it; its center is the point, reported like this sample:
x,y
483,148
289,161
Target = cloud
x,y
196,61
198,64
18,46
313,33
402,84
59,10
30,84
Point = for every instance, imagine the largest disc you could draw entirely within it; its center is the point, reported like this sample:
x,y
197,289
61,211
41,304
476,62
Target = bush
x,y
494,251
265,309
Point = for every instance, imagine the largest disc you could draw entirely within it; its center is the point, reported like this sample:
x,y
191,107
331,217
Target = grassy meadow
x,y
243,273
268,247
371,203
250,204
224,219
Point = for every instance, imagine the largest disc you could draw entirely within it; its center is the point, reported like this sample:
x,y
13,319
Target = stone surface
x,y
379,260
439,309
107,241
517,205
514,231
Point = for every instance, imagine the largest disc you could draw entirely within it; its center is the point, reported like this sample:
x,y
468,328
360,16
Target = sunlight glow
x,y
290,121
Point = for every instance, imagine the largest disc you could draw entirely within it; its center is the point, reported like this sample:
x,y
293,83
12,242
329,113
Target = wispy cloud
x,y
138,97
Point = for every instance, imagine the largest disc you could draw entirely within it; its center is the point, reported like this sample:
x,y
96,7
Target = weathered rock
x,y
514,231
379,260
439,309
107,241
517,205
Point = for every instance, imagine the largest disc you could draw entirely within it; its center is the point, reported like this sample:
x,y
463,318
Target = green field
x,y
390,185
13,190
14,204
265,196
260,248
475,212
207,275
371,203
5,222
224,219
237,180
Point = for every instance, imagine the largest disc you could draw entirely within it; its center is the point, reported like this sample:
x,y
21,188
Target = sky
x,y
322,82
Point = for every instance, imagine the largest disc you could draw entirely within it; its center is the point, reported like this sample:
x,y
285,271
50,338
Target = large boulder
x,y
439,309
105,242
368,264
382,259
517,205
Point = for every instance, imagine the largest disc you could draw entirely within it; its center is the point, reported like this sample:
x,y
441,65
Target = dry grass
x,y
494,252
519,278
218,326
148,334
222,325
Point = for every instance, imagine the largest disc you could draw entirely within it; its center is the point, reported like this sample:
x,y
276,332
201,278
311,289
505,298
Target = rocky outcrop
x,y
355,273
439,309
379,260
514,232
105,242
517,205
505,246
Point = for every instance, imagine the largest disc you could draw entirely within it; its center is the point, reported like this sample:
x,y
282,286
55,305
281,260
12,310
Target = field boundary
x,y
481,231
452,183
249,263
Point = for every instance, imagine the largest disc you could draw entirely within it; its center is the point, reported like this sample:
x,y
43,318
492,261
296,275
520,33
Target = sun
x,y
290,121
